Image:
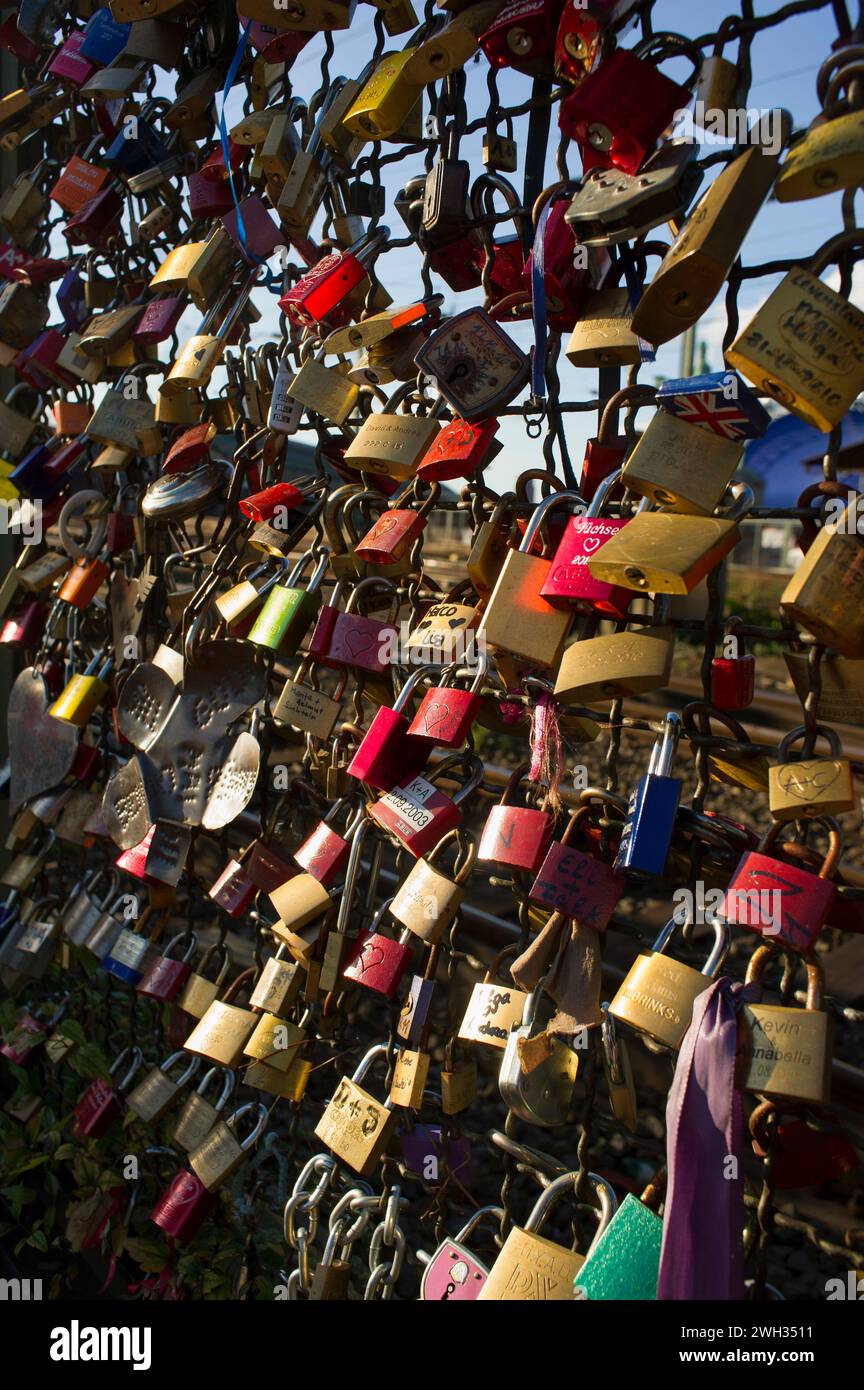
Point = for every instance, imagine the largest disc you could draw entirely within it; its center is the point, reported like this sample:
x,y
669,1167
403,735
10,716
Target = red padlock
x,y
576,883
522,36
460,450
397,528
781,901
262,506
159,319
517,836
234,891
351,639
277,45
183,1207
321,292
619,112
733,675
26,628
570,583
379,962
418,814
167,975
324,853
267,866
566,284
261,237
584,26
446,712
93,223
100,1105
190,448
388,753
208,196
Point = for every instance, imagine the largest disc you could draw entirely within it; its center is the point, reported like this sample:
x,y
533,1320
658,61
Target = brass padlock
x,y
223,1030
805,345
324,390
812,786
355,1126
153,1097
825,595
198,1116
221,1153
786,1053
620,663
658,992
386,99
278,985
427,902
299,902
410,1073
680,466
531,1268
828,159
393,443
662,552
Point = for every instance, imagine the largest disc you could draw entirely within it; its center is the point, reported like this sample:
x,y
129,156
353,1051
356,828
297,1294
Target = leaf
x,y
71,1029
150,1254
18,1196
38,1240
35,1162
65,1151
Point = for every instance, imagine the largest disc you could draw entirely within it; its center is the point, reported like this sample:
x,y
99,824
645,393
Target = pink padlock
x,y
569,583
100,1105
159,319
453,1274
351,639
183,1207
68,65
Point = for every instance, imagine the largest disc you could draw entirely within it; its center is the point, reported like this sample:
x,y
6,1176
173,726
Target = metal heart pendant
x,y
41,749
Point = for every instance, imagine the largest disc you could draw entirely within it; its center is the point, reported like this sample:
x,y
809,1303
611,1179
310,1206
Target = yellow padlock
x,y
83,694
385,100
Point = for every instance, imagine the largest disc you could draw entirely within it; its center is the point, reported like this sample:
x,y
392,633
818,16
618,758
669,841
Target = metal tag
x,y
41,749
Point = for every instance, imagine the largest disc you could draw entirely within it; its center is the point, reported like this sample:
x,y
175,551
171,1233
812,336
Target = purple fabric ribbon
x,y
701,1255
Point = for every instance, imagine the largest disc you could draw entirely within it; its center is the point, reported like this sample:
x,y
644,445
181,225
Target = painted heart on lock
x,y
590,544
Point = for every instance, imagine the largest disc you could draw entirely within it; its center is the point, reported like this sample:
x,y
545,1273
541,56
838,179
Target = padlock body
x,y
222,1033
619,111
391,537
733,681
518,620
153,1096
388,753
377,962
444,717
517,836
578,885
356,1127
96,1111
323,854
785,1054
452,1275
811,787
129,957
530,1268
417,814
648,828
355,641
570,583
183,1207
194,1122
233,891
493,1010
625,1262
782,902
657,997
165,979
284,618
79,700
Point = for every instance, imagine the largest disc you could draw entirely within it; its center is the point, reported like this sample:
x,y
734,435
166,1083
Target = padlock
x,y
17,429
611,206
100,1105
397,529
299,901
652,809
785,1053
697,263
583,33
666,553
323,390
619,111
493,1009
680,467
410,1073
515,836
428,900
182,1208
197,1116
278,985
460,450
517,620
419,814
200,354
355,1126
452,1272
153,1097
390,750
543,1094
324,853
223,1030
490,546
85,909
824,595
733,675
446,713
717,401
625,1262
167,976
132,953
289,610
522,36
321,293
780,900
351,639
531,1268
378,962
276,1042
199,993
812,786
805,346
576,883
618,1071
570,583
658,992
474,365
100,939
84,693
386,100
394,442
221,1153
827,159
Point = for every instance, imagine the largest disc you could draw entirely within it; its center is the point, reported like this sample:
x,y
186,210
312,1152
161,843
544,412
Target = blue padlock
x,y
718,401
652,809
130,957
28,475
104,38
133,154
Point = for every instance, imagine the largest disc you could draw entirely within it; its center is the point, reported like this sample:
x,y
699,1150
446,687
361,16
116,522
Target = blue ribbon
x,y
538,306
271,279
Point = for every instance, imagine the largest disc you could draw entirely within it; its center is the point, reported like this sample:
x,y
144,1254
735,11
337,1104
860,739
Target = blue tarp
x,y
788,456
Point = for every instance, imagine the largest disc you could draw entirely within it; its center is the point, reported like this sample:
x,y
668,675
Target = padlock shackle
x,y
227,1084
568,1183
192,1064
539,514
717,954
802,731
663,752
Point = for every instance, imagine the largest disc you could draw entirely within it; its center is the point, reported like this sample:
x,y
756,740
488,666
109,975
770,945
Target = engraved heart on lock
x,y
436,714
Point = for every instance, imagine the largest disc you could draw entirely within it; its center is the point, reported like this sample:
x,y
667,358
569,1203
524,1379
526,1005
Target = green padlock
x,y
83,694
288,610
625,1262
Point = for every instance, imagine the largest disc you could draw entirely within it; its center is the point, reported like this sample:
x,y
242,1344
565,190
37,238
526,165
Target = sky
x,y
785,61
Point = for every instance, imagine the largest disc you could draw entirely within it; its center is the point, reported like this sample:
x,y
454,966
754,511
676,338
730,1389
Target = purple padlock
x,y
159,319
261,235
69,64
425,1154
453,1274
70,300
